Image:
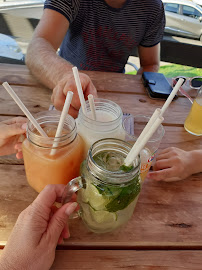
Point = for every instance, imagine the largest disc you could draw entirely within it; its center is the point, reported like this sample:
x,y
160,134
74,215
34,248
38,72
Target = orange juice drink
x,y
146,161
41,167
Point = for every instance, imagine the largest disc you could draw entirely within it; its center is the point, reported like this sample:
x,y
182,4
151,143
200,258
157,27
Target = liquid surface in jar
x,y
102,116
111,161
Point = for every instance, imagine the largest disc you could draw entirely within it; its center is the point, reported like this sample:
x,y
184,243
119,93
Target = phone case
x,y
156,84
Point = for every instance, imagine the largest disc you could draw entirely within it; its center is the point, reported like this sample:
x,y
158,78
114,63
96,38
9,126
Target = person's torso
x,y
102,38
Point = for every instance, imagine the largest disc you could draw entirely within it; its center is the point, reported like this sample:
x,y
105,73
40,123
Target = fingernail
x,y
70,209
24,126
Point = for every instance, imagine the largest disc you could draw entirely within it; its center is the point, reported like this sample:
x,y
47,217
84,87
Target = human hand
x,y
37,231
172,164
10,132
68,84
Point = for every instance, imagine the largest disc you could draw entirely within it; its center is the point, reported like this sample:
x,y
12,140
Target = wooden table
x,y
165,231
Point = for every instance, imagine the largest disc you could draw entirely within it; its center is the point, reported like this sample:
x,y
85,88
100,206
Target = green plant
x,y
174,70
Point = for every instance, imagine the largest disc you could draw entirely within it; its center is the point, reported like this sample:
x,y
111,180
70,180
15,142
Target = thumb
x,y
59,220
14,129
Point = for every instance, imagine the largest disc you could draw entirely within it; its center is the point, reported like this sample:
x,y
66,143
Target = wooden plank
x,y
120,259
164,260
38,99
10,159
174,136
126,259
167,215
103,81
139,104
17,75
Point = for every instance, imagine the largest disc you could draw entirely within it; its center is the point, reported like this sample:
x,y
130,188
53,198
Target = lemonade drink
x,y
193,122
110,194
41,167
108,122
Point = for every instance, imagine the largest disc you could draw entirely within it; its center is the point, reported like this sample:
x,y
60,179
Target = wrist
x,y
195,157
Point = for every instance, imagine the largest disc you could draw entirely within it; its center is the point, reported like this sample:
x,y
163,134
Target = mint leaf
x,y
126,168
125,197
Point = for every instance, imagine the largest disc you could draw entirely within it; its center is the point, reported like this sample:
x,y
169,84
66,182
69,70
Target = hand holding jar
x,y
37,231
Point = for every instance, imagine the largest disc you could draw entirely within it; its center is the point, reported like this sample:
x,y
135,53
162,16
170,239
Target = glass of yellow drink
x,y
193,122
41,166
107,193
133,126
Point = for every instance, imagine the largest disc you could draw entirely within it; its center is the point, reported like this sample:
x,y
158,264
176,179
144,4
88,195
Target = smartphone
x,y
156,85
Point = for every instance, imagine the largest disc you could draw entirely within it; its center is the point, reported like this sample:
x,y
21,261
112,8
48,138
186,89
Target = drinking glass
x,y
133,126
193,122
41,167
108,123
107,195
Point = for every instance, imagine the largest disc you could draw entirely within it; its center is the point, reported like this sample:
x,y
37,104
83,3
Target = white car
x,y
183,18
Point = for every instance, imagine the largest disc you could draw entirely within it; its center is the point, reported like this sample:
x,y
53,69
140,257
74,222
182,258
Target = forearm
x,y
150,68
196,161
45,64
149,58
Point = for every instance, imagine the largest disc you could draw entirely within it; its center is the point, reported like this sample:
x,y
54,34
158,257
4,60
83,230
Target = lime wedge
x,y
103,216
95,199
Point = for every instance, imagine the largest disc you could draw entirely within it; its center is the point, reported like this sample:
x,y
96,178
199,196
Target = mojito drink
x,y
106,203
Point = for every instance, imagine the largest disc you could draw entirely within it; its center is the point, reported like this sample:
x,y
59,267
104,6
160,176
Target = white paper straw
x,y
24,109
79,89
171,96
92,106
139,145
150,123
64,113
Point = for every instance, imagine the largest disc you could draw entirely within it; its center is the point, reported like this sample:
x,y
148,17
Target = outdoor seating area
x,y
100,136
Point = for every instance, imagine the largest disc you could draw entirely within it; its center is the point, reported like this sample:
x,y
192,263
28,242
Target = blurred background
x,y
181,48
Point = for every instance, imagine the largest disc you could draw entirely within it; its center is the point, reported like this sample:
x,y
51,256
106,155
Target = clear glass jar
x,y
41,166
133,127
107,195
193,122
108,122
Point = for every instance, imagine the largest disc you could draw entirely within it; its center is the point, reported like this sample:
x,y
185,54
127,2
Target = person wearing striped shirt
x,y
93,35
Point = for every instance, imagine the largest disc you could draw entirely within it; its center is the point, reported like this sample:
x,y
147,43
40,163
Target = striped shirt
x,y
101,37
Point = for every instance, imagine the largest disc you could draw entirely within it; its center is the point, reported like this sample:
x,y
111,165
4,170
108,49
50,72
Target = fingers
x,y
13,129
164,156
15,120
19,155
68,84
58,222
161,175
49,195
58,97
162,164
90,89
73,112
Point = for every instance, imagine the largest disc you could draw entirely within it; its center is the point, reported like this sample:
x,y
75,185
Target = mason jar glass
x,y
107,194
108,122
41,166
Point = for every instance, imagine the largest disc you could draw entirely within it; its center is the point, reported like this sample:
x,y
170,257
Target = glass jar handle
x,y
73,186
